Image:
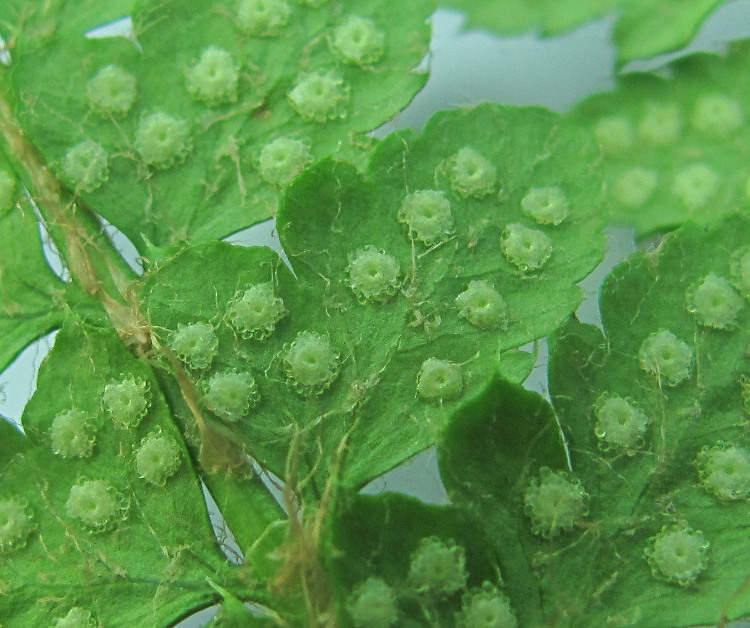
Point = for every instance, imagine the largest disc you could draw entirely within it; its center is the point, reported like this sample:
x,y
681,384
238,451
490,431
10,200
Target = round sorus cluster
x,y
16,523
663,354
487,608
437,568
439,380
95,504
554,503
195,344
213,79
310,364
230,394
525,248
725,471
470,173
254,312
373,605
696,185
263,18
714,303
372,274
72,434
677,555
546,205
482,306
86,166
427,215
112,90
282,159
717,115
319,96
358,41
157,459
619,424
127,401
162,140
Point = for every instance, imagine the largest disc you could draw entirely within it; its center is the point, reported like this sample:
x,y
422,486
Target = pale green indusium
x,y
230,394
724,470
614,134
696,185
72,434
482,306
157,459
661,123
112,90
717,115
263,18
213,79
127,401
319,96
663,354
525,248
95,504
635,186
162,140
373,275
282,159
714,303
487,608
195,344
437,568
470,173
16,524
373,605
546,205
76,617
86,166
7,190
439,380
677,555
619,424
427,215
358,41
310,363
554,503
254,312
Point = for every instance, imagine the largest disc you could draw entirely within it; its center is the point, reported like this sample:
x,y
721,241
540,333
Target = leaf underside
x,y
216,189
662,129
149,566
382,345
597,573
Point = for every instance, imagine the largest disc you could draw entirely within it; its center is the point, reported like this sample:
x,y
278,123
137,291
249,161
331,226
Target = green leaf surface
x,y
329,215
657,484
494,444
645,28
31,295
674,147
147,563
376,536
213,187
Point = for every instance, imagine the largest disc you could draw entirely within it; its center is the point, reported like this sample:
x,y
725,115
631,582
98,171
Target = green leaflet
x,y
674,147
640,493
31,295
194,175
512,432
376,537
663,483
645,28
142,557
405,361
